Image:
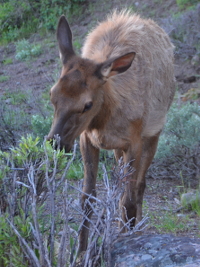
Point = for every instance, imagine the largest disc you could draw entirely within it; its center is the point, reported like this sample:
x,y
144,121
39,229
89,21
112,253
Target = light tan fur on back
x,y
139,91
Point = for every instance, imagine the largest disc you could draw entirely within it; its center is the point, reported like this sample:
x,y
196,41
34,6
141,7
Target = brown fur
x,y
126,73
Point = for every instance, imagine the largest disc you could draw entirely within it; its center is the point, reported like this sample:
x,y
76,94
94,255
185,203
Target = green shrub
x,y
181,132
16,17
16,120
4,78
169,222
186,3
75,171
178,154
7,61
20,18
30,150
25,50
41,125
10,252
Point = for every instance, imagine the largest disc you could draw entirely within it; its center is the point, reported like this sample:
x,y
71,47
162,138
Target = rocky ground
x,y
156,250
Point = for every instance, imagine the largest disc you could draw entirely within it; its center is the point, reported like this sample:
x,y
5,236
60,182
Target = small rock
x,y
8,100
153,252
148,245
146,257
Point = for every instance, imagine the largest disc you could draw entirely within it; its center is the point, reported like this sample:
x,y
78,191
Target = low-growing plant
x,y
16,98
75,171
186,3
41,125
7,61
178,151
196,206
184,30
181,132
25,50
169,222
11,125
10,252
4,78
16,118
191,201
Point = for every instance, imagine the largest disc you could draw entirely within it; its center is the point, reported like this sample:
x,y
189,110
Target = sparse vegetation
x,y
25,50
170,222
186,3
179,143
14,120
41,125
181,133
7,61
4,78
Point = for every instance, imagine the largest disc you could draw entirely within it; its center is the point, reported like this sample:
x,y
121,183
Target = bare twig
x,y
30,254
43,253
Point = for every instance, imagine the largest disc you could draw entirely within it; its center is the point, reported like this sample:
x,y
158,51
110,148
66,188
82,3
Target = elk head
x,y
78,95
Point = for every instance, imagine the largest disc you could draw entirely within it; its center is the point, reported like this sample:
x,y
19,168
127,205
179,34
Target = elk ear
x,y
117,65
64,37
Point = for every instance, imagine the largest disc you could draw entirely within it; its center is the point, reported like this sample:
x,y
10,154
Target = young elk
x,y
115,96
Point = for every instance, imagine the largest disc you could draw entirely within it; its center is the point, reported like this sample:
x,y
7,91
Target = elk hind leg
x,y
148,152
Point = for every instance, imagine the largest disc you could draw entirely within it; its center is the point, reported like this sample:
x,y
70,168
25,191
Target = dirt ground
x,y
39,74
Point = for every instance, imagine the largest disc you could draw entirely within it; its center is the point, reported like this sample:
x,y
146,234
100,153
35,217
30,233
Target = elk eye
x,y
88,106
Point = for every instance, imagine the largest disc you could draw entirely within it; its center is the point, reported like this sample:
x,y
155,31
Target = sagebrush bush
x,y
25,50
178,154
185,32
181,131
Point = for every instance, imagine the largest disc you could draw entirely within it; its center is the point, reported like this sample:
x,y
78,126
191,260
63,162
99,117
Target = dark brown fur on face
x,y
115,96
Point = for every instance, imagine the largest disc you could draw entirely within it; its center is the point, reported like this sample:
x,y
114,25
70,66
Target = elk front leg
x,y
90,155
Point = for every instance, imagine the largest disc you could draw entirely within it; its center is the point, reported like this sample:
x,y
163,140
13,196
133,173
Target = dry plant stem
x,y
138,228
100,249
43,252
51,190
13,197
74,249
94,236
30,254
110,213
64,243
52,187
